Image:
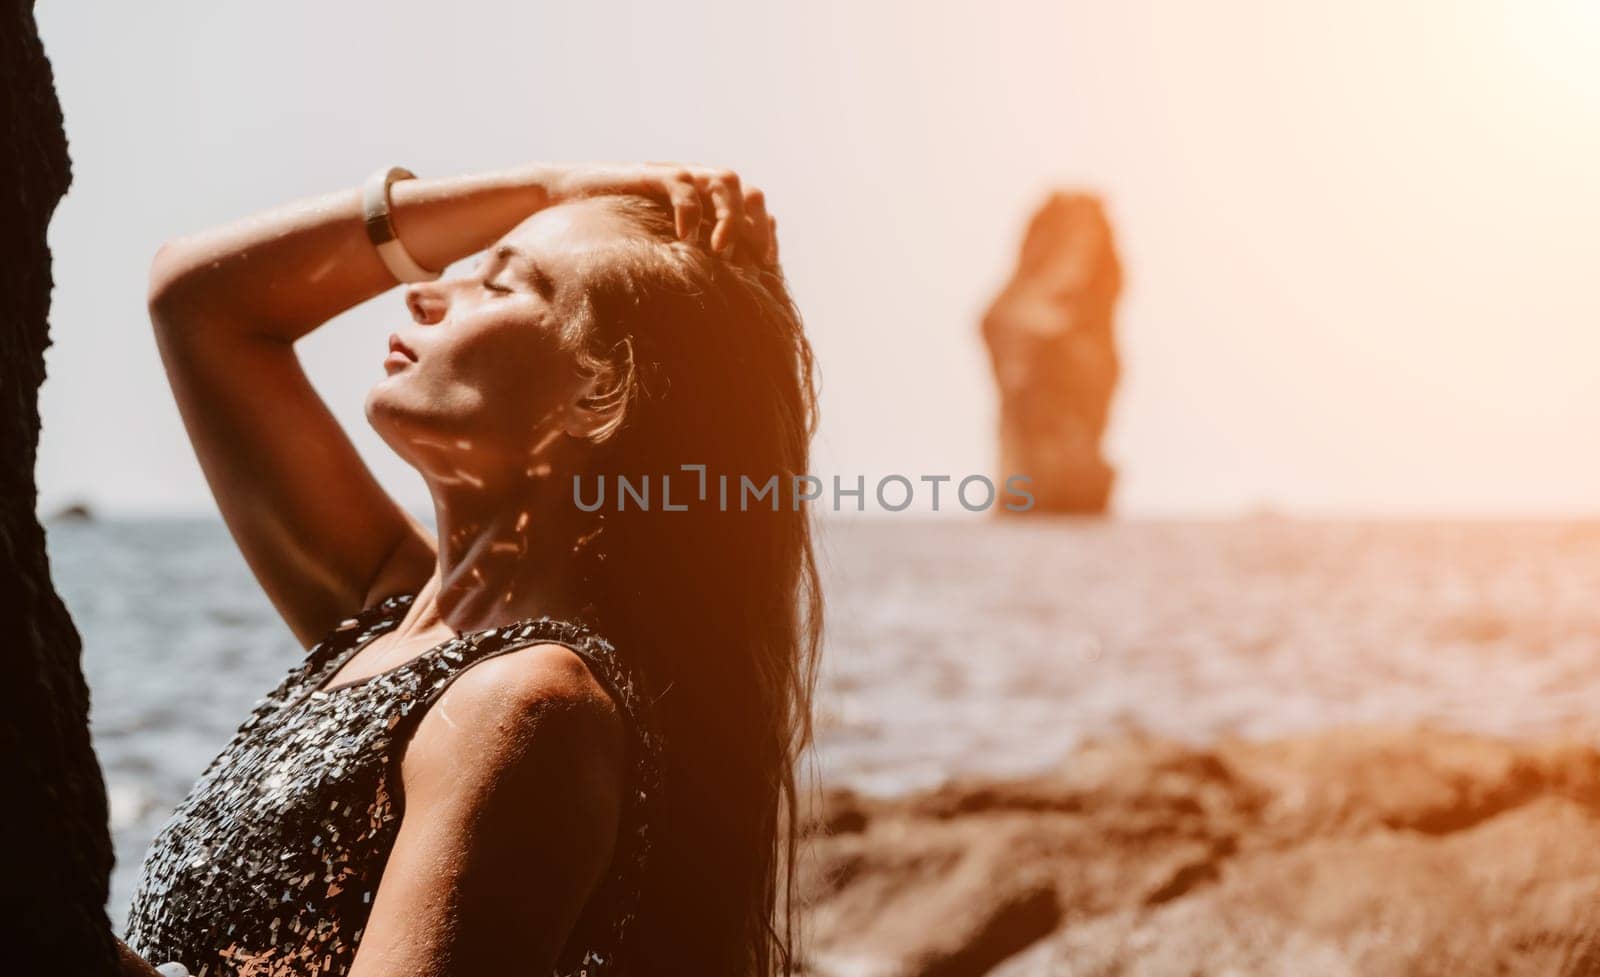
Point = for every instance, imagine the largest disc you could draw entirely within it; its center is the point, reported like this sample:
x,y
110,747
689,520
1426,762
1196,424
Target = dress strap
x,y
353,630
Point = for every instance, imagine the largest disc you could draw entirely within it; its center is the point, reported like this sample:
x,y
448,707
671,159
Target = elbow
x,y
189,285
177,290
164,289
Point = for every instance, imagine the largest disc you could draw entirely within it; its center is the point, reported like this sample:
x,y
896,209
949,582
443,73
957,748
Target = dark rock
x,y
1054,356
55,860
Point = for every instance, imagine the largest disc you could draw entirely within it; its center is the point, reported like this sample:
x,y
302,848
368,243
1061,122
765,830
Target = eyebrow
x,y
537,275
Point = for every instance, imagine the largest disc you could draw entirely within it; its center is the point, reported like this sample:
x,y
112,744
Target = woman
x,y
562,738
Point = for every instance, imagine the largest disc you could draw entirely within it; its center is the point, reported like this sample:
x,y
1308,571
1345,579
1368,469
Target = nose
x,y
426,304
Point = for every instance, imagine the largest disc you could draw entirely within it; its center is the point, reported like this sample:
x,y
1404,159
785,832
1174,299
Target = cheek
x,y
519,379
509,337
482,351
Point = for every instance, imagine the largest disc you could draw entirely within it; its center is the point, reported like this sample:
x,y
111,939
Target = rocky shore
x,y
1365,852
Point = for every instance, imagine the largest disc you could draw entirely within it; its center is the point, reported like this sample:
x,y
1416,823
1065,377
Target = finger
x,y
728,205
755,221
685,207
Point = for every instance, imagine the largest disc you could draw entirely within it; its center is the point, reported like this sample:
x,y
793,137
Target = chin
x,y
372,405
403,421
383,412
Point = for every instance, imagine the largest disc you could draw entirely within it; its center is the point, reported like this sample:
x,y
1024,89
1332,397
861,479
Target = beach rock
x,y
55,860
1054,356
73,512
1368,852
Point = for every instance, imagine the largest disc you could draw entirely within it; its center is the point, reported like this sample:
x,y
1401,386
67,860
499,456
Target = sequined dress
x,y
270,865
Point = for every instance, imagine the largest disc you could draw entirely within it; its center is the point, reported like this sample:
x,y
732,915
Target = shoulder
x,y
532,716
514,772
537,676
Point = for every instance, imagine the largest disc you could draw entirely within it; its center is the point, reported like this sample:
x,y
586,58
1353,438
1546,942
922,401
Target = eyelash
x,y
491,286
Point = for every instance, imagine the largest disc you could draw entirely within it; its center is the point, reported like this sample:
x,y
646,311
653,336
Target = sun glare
x,y
1558,43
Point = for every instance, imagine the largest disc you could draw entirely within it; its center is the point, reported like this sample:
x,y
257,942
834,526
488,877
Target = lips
x,y
396,345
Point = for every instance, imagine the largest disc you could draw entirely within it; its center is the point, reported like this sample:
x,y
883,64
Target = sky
x,y
1359,238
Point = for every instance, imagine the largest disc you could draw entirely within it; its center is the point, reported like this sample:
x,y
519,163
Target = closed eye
x,y
491,286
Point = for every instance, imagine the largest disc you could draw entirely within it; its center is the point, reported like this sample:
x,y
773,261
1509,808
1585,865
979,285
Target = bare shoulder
x,y
537,711
536,678
515,772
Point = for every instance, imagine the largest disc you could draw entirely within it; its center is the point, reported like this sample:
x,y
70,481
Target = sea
x,y
958,648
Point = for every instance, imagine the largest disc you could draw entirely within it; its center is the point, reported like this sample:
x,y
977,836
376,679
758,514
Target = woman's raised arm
x,y
227,305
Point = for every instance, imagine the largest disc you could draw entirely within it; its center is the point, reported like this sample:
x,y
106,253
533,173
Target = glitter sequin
x,y
270,865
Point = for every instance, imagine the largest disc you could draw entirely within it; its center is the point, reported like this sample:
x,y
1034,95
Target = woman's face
x,y
486,379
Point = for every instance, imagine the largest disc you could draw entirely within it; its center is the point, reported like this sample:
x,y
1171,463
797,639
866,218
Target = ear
x,y
589,413
598,408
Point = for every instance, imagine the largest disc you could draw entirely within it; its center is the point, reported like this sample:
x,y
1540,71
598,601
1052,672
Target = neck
x,y
505,554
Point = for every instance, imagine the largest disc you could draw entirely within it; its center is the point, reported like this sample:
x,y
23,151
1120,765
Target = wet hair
x,y
702,360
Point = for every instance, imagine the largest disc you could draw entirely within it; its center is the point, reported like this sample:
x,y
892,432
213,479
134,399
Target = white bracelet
x,y
380,229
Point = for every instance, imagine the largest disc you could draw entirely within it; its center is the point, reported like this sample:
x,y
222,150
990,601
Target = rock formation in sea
x,y
55,858
1053,351
1381,853
73,512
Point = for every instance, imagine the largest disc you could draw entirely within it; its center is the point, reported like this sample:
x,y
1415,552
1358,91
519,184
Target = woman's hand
x,y
740,213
